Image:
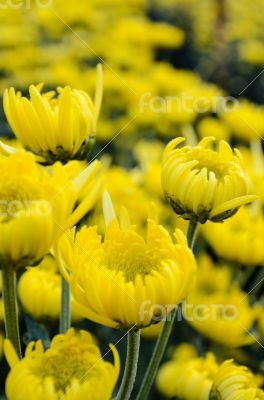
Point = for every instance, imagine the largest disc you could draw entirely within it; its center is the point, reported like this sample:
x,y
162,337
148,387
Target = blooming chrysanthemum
x,y
71,369
126,281
43,284
239,239
216,306
54,126
37,204
202,183
187,376
233,382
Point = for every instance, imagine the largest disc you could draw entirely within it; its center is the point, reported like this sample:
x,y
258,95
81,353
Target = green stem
x,y
65,314
133,342
11,308
192,228
163,337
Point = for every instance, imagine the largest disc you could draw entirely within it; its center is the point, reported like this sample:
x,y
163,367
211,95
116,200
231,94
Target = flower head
x,y
55,126
202,183
72,369
37,204
43,284
187,376
235,382
126,281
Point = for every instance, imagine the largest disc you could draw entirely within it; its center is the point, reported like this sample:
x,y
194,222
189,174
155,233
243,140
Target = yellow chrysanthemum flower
x,y
233,382
187,376
71,369
216,306
201,183
126,281
239,239
54,127
38,204
43,284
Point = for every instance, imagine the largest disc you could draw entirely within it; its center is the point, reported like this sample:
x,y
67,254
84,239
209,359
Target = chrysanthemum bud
x,y
56,126
235,382
202,183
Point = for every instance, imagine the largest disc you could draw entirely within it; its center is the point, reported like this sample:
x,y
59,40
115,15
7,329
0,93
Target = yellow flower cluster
x,y
133,44
170,135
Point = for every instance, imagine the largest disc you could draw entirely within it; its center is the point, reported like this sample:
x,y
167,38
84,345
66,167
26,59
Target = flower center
x,y
210,160
131,261
66,365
